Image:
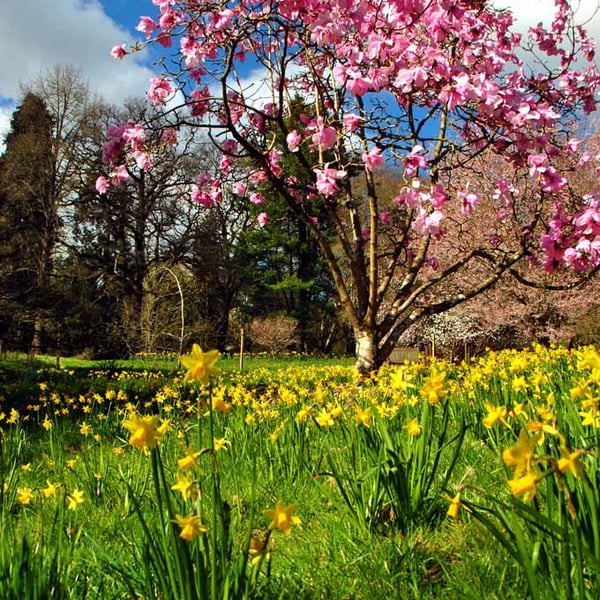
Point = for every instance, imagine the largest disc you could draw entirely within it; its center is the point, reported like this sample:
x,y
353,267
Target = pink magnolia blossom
x,y
469,201
385,217
200,101
135,135
351,122
256,198
229,146
168,136
573,145
101,185
293,140
118,52
225,164
414,161
538,163
428,223
142,159
553,181
121,174
240,188
160,90
147,26
324,137
373,159
262,219
327,180
274,158
462,58
258,176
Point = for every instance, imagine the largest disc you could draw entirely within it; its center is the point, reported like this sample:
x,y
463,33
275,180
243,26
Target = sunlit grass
x,y
371,467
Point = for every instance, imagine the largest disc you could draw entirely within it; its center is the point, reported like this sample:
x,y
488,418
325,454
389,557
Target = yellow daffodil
x,y
221,444
200,365
190,460
363,416
282,517
569,461
454,507
519,384
74,499
303,413
413,427
145,433
324,419
520,455
24,496
495,414
433,387
50,490
525,486
186,487
191,527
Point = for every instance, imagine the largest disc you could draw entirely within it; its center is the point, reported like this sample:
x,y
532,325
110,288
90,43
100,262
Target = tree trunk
x,y
366,352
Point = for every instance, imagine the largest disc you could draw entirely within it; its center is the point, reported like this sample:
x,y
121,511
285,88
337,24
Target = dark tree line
x,y
115,274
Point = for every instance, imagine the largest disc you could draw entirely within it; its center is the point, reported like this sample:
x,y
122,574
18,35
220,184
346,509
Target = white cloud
x,y
531,12
36,35
5,116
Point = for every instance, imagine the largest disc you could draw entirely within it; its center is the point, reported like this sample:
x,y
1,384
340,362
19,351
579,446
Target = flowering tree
x,y
422,86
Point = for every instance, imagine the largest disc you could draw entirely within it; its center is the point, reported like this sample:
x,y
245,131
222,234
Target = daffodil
x,y
221,444
145,433
190,460
525,486
74,499
413,427
50,490
495,414
363,416
569,461
520,455
324,419
433,387
24,495
454,507
200,365
186,487
282,517
191,527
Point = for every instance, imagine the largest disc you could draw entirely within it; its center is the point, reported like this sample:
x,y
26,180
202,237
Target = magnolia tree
x,y
315,97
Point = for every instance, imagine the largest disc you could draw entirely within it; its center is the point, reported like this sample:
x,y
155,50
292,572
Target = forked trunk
x,y
366,353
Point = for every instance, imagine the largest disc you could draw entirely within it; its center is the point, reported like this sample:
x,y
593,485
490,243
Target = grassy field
x,y
295,479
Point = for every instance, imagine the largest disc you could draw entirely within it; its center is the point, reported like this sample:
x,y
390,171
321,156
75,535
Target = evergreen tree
x,y
29,220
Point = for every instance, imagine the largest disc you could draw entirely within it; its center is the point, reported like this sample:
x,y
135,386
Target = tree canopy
x,y
423,87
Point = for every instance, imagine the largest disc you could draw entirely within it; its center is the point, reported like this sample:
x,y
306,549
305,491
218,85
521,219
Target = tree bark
x,y
366,352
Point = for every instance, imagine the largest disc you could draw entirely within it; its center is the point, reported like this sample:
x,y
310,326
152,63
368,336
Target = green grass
x,y
346,479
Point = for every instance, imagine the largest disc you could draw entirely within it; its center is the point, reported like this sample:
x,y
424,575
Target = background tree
x,y
424,85
29,218
147,221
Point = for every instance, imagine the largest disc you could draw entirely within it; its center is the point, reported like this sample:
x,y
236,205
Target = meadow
x,y
295,479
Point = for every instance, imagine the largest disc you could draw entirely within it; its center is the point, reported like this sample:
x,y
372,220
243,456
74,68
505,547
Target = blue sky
x,y
35,35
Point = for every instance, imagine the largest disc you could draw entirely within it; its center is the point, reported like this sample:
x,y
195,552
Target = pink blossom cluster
x,y
459,60
573,241
126,140
207,191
